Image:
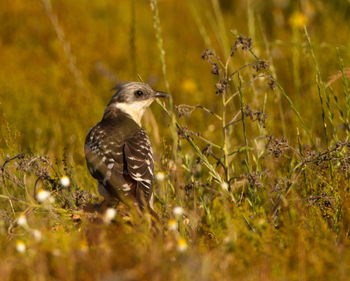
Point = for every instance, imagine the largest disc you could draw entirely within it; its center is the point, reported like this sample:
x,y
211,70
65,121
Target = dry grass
x,y
252,152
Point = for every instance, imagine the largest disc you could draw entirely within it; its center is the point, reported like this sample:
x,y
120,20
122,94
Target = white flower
x,y
65,181
37,235
178,211
43,195
224,186
160,176
172,225
22,221
20,246
182,245
109,215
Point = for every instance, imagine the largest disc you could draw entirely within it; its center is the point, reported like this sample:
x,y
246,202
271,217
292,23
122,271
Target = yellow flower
x,y
182,245
298,20
188,85
20,246
172,225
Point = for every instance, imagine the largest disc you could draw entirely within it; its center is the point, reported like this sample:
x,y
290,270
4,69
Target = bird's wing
x,y
138,157
105,160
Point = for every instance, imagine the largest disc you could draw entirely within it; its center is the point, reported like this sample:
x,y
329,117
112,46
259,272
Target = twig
x,y
65,45
245,86
59,210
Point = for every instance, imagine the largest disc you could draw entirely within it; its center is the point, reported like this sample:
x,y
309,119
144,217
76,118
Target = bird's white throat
x,y
135,109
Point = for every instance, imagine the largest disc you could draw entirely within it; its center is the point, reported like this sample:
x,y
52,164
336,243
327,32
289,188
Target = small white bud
x,y
160,176
178,211
22,221
109,215
37,235
20,246
172,225
224,186
43,195
65,181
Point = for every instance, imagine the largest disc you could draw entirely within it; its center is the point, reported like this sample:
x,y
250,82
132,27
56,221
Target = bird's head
x,y
133,98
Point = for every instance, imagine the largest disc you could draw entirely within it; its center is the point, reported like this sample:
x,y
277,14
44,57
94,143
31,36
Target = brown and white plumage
x,y
118,151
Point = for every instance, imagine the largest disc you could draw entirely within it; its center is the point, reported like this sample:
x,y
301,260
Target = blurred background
x,y
60,59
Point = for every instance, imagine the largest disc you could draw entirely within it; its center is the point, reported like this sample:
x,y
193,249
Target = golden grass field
x,y
252,152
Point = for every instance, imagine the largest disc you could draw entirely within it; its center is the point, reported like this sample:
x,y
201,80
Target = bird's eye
x,y
138,93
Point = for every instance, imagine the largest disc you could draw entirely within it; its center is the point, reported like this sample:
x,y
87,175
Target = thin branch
x,y
198,106
244,87
59,210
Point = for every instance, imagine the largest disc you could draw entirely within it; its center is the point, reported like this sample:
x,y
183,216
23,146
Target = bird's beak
x,y
158,94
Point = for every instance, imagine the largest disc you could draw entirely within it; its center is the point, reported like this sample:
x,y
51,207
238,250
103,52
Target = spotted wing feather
x,y
105,161
139,161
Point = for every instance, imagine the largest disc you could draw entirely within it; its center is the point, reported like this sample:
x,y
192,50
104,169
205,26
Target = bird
x,y
118,151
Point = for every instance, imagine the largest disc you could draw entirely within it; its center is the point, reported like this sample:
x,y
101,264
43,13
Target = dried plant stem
x,y
320,85
241,149
296,60
244,87
158,31
198,106
200,25
273,71
346,87
251,19
233,120
341,112
243,122
225,145
222,29
65,45
291,104
210,142
33,205
225,139
132,38
210,167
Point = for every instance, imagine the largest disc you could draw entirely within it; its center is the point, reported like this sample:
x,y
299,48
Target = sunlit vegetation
x,y
252,150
